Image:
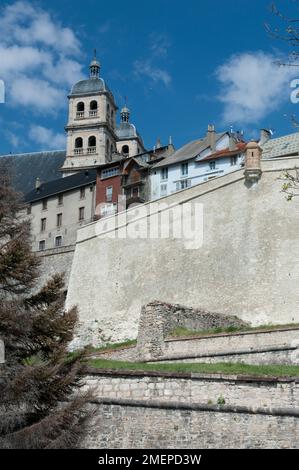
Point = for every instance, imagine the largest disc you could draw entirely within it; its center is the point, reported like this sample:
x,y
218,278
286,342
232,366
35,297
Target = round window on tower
x,y
125,150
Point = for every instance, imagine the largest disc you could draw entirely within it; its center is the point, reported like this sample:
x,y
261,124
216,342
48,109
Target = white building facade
x,y
197,162
57,209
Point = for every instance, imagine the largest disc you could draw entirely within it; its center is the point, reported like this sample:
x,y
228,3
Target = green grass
x,y
181,331
109,347
221,368
90,350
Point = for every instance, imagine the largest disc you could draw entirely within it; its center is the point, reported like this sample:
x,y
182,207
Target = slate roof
x,y
187,152
126,130
62,185
27,167
282,146
92,85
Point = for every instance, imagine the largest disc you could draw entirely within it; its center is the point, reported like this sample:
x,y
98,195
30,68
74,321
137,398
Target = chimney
x,y
158,144
232,144
265,135
171,148
253,170
211,136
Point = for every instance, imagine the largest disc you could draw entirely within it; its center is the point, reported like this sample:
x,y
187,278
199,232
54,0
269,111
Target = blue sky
x,y
182,65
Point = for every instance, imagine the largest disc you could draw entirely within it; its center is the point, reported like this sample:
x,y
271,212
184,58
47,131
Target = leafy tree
x,y
41,405
287,30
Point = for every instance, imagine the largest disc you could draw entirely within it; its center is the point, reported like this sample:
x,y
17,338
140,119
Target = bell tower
x,y
129,142
91,127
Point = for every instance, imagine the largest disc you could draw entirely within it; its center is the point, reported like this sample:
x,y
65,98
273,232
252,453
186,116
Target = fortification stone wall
x,y
247,265
55,261
156,410
158,319
244,343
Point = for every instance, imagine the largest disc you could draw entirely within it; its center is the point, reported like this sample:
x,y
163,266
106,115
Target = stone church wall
x,y
247,265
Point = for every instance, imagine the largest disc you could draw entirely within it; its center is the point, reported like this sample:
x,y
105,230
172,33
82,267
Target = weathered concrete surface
x,y
248,264
156,410
55,261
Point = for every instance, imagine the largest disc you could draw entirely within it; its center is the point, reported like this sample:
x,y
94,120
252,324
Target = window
x,y
163,190
183,184
80,110
42,245
109,193
81,213
108,209
45,204
82,193
79,143
184,169
80,106
29,210
59,220
135,191
164,174
60,199
91,141
108,172
125,150
233,160
58,241
212,165
93,105
43,225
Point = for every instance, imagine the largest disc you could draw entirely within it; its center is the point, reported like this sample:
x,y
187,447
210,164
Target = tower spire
x,y
94,66
125,112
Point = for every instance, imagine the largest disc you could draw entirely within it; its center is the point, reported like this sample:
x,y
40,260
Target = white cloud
x,y
105,27
154,73
13,138
37,94
38,58
159,44
46,137
252,86
21,22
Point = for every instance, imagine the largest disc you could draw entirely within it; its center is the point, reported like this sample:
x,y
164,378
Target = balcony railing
x,y
80,115
91,150
78,151
93,113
